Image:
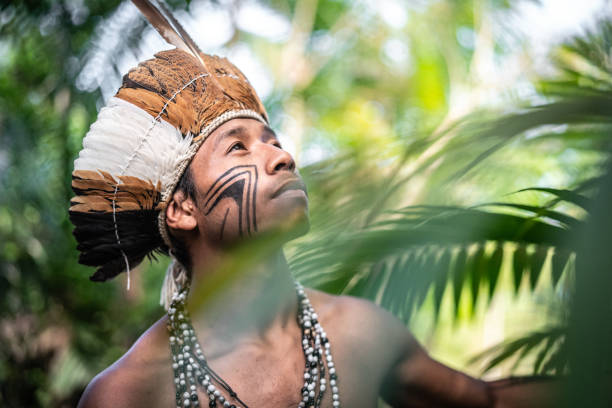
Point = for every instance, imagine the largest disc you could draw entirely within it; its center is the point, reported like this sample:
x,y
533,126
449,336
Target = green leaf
x,y
541,356
411,264
442,272
558,262
565,195
558,360
494,268
519,262
376,276
458,274
536,261
397,285
360,286
478,263
539,212
425,274
521,347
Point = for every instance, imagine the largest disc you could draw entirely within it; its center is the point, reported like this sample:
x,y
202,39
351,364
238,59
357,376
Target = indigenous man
x,y
182,161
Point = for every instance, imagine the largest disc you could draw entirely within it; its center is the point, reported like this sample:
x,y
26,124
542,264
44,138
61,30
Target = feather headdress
x,y
143,140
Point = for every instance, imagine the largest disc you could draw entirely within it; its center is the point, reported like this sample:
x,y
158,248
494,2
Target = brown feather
x,y
95,192
151,84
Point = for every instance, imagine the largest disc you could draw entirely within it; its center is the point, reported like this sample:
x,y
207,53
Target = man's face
x,y
246,184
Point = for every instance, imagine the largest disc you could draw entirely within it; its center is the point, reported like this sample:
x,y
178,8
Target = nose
x,y
278,160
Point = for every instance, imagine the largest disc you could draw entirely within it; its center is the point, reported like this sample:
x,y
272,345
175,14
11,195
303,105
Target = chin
x,y
298,226
289,219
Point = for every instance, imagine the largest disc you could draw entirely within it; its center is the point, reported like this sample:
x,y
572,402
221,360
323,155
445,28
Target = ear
x,y
181,213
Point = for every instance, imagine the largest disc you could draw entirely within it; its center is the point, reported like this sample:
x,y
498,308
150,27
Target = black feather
x,y
97,242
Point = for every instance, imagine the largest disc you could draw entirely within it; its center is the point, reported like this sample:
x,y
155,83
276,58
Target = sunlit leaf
x,y
520,348
441,275
565,195
536,263
459,273
494,268
558,261
519,263
478,264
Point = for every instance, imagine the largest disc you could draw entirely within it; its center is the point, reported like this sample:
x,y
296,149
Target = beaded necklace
x,y
191,369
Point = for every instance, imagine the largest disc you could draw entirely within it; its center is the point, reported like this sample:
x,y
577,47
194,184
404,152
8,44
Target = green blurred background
x,y
456,154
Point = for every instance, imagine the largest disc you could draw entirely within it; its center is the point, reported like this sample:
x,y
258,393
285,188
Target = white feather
x,y
125,140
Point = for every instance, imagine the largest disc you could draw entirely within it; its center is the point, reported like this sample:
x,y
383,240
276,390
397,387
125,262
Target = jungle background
x,y
457,155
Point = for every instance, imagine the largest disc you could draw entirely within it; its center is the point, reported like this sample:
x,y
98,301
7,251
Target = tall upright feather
x,y
171,30
184,34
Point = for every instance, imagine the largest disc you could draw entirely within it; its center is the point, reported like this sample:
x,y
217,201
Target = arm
x,y
105,390
142,377
416,380
408,377
121,386
404,374
526,392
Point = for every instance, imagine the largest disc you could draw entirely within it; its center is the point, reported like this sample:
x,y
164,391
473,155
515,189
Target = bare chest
x,y
261,378
275,378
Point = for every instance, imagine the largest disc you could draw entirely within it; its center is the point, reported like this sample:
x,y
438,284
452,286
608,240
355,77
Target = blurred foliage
x,y
57,329
432,181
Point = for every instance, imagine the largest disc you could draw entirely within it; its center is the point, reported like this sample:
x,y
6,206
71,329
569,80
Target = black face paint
x,y
240,184
223,225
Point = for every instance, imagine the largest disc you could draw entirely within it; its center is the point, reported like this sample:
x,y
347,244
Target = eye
x,y
277,144
236,146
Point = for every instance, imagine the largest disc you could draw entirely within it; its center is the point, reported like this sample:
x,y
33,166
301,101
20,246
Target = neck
x,y
244,304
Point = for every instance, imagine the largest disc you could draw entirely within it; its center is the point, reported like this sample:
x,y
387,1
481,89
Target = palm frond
x,y
570,196
396,262
547,348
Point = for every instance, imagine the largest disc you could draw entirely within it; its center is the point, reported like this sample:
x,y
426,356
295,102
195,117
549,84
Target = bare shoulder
x,y
141,377
361,323
350,311
365,339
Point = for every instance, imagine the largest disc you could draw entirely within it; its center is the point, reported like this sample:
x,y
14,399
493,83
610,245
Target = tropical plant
x,y
396,256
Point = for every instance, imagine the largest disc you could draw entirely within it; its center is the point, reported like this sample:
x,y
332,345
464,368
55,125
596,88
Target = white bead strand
x,y
191,368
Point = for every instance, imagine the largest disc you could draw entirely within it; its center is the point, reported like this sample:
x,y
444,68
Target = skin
x,y
248,185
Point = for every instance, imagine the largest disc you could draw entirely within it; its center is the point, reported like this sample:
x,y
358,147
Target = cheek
x,y
219,225
228,208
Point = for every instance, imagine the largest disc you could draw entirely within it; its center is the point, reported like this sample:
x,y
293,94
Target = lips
x,y
291,184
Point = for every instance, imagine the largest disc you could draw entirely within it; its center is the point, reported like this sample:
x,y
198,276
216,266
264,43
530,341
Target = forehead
x,y
241,127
